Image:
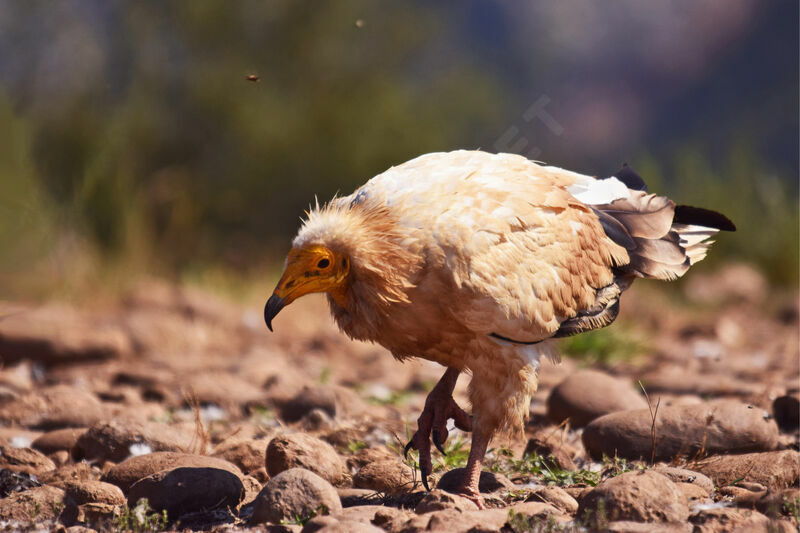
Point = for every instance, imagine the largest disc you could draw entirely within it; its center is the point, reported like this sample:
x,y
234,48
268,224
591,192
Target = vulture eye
x,y
323,263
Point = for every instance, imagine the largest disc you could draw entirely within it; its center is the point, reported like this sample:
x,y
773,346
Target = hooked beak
x,y
273,307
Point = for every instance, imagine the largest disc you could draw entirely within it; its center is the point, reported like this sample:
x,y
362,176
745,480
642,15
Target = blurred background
x,y
184,139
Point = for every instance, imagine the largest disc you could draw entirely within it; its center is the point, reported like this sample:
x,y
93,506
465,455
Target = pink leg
x,y
469,486
432,422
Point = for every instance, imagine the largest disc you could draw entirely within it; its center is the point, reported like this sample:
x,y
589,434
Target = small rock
x,y
551,450
365,456
252,487
38,504
316,420
58,440
454,521
53,408
185,490
294,493
388,476
723,426
786,410
778,502
345,436
351,497
555,496
70,473
693,492
336,402
299,450
132,470
643,496
113,441
25,460
59,334
775,470
15,482
719,520
329,524
438,500
538,512
488,481
94,492
248,454
682,475
588,394
679,381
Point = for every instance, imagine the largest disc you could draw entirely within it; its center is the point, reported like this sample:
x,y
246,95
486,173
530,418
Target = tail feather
x,y
663,240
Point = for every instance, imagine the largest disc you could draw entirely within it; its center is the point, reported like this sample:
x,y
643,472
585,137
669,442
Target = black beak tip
x,y
272,308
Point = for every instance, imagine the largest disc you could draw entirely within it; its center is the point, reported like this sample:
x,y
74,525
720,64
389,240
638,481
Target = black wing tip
x,y
630,178
686,214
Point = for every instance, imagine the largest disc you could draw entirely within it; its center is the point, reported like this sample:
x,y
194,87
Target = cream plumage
x,y
476,261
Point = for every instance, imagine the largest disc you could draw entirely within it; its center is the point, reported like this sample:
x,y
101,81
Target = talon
x,y
436,442
425,480
408,447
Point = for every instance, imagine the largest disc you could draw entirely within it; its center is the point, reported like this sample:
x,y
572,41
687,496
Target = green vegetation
x,y
604,346
298,520
141,519
542,468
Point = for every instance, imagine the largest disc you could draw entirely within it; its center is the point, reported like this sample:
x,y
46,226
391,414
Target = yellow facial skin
x,y
310,269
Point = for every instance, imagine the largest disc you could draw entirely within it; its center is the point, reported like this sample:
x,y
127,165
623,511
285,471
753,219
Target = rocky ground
x,y
172,409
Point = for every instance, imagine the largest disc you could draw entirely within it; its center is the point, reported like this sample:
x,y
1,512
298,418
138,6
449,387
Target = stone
x,y
248,455
723,426
53,408
683,475
132,470
588,394
329,524
352,497
16,482
299,450
692,492
786,410
38,504
366,456
539,512
81,492
719,520
115,441
775,470
25,460
337,402
555,496
59,334
58,440
294,493
188,489
438,500
388,476
455,521
643,496
551,450
488,481
70,473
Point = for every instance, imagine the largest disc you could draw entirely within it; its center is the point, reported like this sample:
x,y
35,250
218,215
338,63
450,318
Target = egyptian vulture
x,y
478,262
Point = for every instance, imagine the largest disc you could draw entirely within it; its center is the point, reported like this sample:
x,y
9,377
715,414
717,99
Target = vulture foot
x,y
432,423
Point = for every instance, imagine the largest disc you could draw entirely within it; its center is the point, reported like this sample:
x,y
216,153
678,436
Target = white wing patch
x,y
592,191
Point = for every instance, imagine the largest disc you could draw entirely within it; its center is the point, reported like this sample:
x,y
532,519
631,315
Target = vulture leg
x,y
439,408
469,486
